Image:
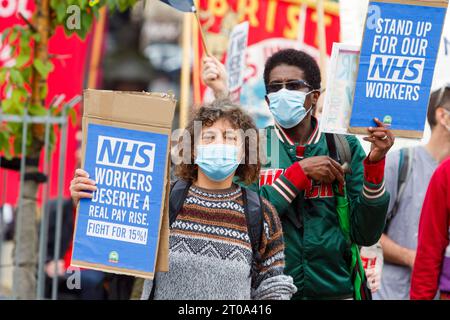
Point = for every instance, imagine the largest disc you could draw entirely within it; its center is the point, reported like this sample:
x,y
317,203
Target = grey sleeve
x,y
391,178
280,287
146,289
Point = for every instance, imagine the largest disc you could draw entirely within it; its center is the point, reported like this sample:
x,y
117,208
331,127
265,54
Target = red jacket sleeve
x,y
433,238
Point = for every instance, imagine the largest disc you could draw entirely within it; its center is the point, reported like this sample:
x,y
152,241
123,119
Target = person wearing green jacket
x,y
299,178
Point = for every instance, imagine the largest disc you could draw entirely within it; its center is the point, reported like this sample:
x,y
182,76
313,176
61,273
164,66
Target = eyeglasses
x,y
296,85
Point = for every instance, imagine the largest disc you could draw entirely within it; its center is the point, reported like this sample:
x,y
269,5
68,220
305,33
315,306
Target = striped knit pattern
x,y
217,218
210,236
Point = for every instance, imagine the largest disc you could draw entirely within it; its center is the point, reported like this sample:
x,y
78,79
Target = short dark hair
x,y
438,99
208,114
296,58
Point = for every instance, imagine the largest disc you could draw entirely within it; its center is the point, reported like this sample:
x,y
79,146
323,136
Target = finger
x,y
84,187
379,123
391,135
210,71
338,170
380,135
369,272
211,65
211,76
381,140
84,180
377,129
369,139
208,59
339,176
216,61
84,195
329,176
81,173
337,165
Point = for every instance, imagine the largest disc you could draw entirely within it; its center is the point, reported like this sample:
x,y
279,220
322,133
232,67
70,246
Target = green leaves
x,y
37,110
60,9
76,16
2,76
73,116
16,77
5,135
44,68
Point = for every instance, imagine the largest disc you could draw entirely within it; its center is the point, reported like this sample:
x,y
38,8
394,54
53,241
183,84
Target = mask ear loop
x,y
313,105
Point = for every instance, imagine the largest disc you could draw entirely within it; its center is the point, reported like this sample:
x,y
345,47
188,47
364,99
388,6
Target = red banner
x,y
67,78
274,25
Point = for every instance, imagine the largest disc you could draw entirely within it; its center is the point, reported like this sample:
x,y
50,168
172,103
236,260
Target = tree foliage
x,y
17,76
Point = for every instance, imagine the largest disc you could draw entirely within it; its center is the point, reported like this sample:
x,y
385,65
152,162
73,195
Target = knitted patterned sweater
x,y
210,254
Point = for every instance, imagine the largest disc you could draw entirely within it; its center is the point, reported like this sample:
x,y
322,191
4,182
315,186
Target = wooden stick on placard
x,y
97,49
202,34
426,3
322,41
185,70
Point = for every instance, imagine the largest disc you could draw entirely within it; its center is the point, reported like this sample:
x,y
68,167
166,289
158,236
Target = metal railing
x,y
48,120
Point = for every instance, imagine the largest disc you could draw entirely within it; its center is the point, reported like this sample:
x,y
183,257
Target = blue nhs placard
x,y
118,229
396,67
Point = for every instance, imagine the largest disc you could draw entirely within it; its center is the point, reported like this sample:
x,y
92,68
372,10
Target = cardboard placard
x,y
124,228
398,56
342,72
236,55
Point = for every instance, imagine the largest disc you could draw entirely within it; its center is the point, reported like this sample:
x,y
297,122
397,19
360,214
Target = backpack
x,y
253,209
404,170
339,149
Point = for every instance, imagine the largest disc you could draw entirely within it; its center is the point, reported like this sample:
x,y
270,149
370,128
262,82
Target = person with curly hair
x,y
211,252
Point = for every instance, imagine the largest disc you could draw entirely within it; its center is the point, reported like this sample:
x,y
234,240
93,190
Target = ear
x,y
311,99
315,97
440,116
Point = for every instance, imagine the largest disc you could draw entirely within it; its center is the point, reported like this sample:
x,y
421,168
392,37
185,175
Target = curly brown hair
x,y
207,115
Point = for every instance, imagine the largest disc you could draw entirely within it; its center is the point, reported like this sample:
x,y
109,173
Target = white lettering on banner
x,y
9,8
392,91
114,231
127,154
396,69
125,180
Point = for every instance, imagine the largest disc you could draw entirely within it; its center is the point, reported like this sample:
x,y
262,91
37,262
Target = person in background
x,y
302,184
432,264
211,254
408,172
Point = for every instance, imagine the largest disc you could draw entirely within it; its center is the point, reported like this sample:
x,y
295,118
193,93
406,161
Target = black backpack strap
x,y
331,144
253,209
178,193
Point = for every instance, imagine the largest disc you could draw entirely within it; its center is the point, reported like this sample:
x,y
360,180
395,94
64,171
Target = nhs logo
x,y
396,69
124,153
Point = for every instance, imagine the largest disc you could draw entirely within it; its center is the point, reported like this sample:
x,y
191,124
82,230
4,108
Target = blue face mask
x,y
288,107
217,161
